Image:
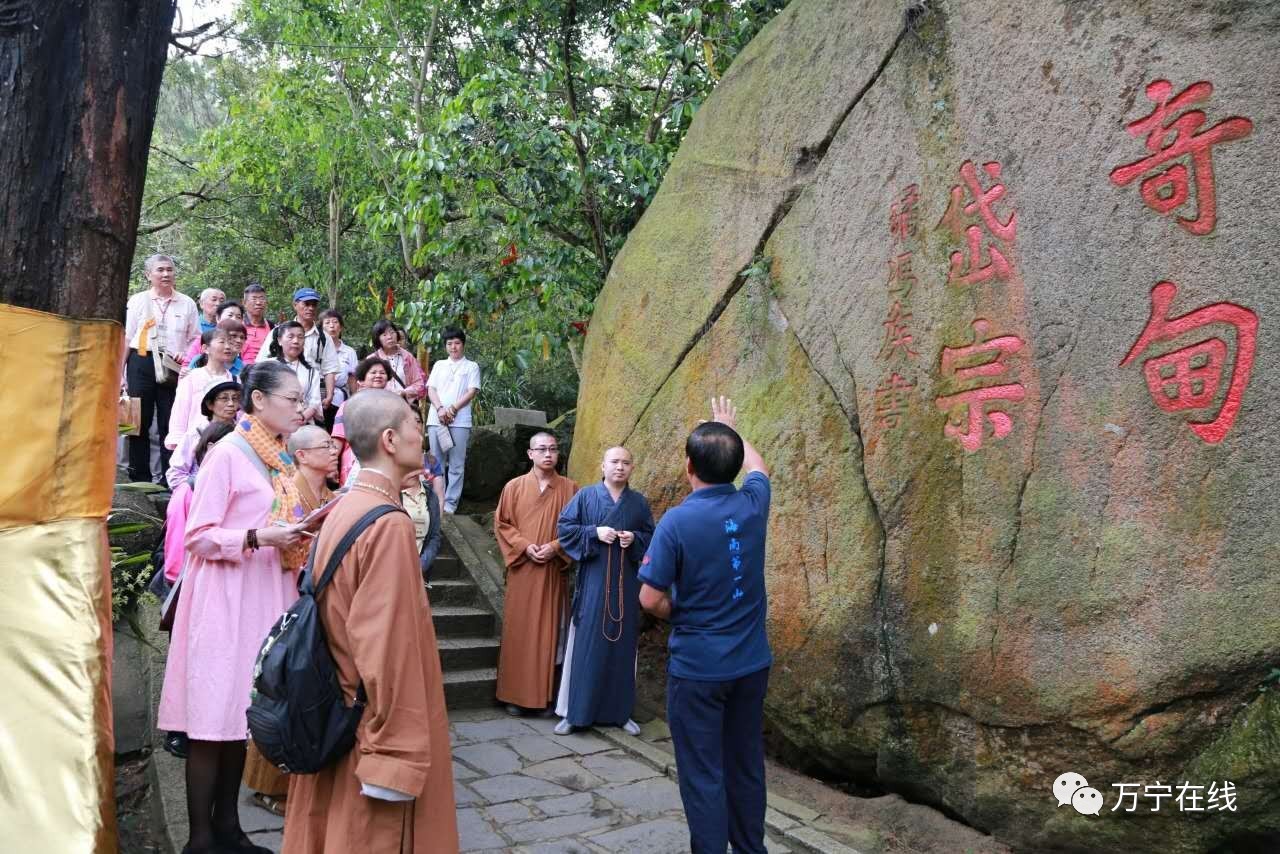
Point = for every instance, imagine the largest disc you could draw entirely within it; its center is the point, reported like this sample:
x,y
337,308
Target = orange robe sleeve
x,y
395,750
510,540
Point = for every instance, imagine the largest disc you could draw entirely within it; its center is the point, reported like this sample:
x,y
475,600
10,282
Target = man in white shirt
x,y
452,385
317,348
159,326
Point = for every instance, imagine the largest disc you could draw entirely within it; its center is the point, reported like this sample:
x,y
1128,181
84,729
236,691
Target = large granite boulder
x,y
1024,494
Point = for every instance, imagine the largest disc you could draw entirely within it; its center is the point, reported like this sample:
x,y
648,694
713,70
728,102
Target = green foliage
x,y
1272,678
130,574
484,160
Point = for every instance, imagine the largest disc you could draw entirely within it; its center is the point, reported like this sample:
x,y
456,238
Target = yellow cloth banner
x,y
61,381
57,769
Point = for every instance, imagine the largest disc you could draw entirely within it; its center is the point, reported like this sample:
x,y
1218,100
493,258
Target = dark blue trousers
x,y
718,732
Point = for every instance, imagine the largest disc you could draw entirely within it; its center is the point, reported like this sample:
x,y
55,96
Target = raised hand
x,y
723,410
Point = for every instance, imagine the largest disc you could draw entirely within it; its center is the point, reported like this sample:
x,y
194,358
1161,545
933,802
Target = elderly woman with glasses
x,y
372,372
245,545
220,403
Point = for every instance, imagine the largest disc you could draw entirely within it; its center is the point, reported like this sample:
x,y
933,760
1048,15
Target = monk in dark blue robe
x,y
606,528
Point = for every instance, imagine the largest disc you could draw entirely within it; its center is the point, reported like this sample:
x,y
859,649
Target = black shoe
x,y
176,743
239,843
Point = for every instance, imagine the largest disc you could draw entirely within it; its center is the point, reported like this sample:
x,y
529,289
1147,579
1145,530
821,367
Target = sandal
x,y
271,804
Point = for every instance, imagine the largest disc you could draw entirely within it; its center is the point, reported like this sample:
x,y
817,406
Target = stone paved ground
x,y
519,787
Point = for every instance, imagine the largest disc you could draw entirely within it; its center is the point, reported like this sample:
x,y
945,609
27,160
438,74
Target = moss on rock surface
x,y
1094,589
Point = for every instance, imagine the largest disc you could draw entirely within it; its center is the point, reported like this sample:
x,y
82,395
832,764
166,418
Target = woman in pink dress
x,y
244,548
187,412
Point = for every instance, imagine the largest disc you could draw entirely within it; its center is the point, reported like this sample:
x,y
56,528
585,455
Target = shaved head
x,y
617,449
539,438
617,466
308,436
367,415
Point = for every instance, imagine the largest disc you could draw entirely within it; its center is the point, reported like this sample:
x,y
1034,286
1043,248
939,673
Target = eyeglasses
x,y
294,400
327,446
227,397
545,449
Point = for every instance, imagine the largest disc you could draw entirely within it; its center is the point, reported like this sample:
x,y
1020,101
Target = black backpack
x,y
297,715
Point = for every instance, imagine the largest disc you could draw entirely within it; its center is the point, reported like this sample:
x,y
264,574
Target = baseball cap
x,y
306,294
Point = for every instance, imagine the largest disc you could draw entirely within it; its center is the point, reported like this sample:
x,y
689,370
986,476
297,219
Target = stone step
x,y
447,566
470,688
452,591
452,621
468,653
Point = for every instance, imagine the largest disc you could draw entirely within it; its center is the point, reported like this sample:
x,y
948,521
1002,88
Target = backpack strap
x,y
339,552
309,584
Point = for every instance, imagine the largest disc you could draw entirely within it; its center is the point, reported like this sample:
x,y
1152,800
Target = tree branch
x,y
174,158
194,47
357,114
655,115
567,26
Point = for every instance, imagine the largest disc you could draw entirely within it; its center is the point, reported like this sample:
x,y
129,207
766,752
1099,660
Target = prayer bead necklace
x,y
608,581
377,489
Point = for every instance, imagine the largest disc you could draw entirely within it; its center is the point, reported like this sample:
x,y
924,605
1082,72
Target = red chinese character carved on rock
x,y
897,332
1170,188
902,214
891,400
1189,378
901,279
967,268
970,428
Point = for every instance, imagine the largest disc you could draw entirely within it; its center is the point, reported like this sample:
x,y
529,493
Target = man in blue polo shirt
x,y
704,572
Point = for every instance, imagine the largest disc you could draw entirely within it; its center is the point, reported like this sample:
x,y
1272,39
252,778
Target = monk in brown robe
x,y
394,791
315,456
536,606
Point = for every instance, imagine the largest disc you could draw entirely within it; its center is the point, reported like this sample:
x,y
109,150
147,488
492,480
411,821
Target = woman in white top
x,y
344,384
287,348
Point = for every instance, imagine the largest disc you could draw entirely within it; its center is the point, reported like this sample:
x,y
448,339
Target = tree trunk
x,y
335,238
81,79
